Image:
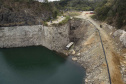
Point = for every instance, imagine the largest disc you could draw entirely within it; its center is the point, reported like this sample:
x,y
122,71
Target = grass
x,y
44,23
63,21
93,16
74,13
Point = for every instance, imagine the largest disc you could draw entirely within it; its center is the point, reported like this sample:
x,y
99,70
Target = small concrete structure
x,y
69,45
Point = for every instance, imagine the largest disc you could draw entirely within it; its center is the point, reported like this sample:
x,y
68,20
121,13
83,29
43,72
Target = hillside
x,y
24,12
114,12
82,5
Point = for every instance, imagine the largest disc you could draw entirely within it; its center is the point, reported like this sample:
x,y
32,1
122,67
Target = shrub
x,y
65,20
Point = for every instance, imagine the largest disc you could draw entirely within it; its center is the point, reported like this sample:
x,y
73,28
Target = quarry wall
x,y
54,38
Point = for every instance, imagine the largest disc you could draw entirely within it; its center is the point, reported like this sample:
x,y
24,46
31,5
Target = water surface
x,y
37,65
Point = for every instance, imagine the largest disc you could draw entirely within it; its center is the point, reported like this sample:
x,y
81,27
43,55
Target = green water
x,y
37,65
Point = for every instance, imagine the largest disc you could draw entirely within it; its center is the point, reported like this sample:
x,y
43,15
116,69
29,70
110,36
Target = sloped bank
x,y
54,38
88,52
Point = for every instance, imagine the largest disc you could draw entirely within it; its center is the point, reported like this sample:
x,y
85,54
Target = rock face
x,y
54,38
16,13
122,36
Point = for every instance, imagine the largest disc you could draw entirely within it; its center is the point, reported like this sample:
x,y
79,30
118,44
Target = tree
x,y
46,1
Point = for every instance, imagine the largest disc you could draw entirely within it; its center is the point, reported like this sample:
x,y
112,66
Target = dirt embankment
x,y
119,46
88,52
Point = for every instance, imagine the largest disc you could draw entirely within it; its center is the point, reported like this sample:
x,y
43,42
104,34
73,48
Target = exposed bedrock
x,y
54,38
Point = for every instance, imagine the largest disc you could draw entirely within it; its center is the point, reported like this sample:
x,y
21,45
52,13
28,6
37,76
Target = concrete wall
x,y
54,38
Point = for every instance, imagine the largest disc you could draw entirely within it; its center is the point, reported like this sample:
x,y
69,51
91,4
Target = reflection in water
x,y
37,65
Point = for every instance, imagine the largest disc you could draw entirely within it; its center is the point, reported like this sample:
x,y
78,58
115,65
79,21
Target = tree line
x,y
112,11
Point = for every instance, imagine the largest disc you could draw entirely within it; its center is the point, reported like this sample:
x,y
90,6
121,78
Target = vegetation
x,y
74,13
17,0
27,12
81,5
63,21
31,12
114,12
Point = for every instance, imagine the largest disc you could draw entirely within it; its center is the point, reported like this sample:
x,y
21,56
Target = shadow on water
x,y
37,65
25,58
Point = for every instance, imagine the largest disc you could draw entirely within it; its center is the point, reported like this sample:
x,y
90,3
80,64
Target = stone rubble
x,y
91,57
